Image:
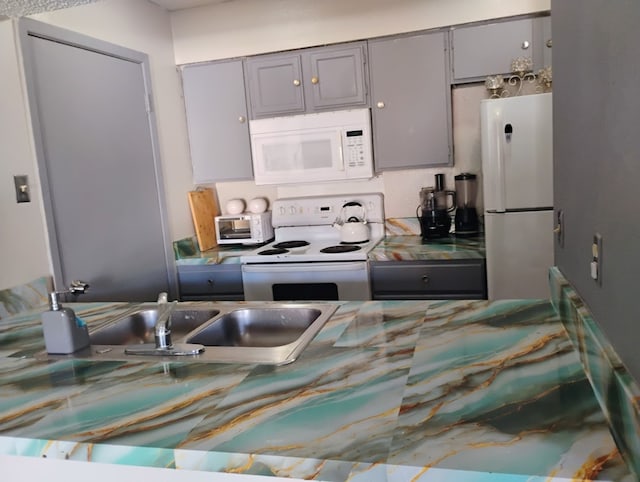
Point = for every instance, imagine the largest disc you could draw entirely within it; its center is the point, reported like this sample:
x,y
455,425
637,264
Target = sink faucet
x,y
163,345
163,324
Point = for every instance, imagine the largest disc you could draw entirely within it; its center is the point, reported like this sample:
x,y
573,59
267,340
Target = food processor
x,y
433,211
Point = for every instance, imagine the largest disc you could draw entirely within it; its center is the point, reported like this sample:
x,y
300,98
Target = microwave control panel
x,y
354,147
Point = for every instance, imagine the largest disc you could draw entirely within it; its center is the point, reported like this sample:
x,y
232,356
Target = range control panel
x,y
321,210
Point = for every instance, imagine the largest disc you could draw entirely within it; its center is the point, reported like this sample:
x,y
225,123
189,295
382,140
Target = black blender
x,y
466,220
433,211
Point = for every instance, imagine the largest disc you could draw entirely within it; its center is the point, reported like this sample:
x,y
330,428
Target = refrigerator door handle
x,y
500,165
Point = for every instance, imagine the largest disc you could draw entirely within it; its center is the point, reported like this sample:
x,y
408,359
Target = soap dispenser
x,y
64,333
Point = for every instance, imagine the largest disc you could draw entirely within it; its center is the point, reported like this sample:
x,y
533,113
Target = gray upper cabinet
x,y
275,84
482,50
411,101
542,42
216,109
307,80
337,77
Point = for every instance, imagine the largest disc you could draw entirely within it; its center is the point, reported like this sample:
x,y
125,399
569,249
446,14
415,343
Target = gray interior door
x,y
101,182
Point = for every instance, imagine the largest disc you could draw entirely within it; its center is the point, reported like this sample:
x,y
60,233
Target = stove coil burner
x,y
269,252
291,244
349,243
343,248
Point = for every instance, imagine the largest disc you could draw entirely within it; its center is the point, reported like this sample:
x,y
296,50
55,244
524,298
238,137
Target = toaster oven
x,y
247,228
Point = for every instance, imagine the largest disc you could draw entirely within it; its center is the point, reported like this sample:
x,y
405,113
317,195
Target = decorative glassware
x,y
494,84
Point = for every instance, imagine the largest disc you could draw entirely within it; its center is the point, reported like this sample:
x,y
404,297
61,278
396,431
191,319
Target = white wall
x,y
249,27
135,24
221,31
23,249
245,27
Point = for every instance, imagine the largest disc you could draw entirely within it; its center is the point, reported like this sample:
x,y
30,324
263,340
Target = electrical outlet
x,y
22,189
596,259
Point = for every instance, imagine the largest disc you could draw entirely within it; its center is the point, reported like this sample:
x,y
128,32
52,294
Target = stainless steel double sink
x,y
270,333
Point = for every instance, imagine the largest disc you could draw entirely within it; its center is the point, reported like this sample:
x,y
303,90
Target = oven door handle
x,y
287,267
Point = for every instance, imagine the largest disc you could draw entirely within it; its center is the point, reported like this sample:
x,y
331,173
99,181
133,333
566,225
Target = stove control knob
x,y
292,210
282,210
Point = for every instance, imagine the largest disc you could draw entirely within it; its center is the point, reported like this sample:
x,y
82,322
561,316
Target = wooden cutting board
x,y
204,209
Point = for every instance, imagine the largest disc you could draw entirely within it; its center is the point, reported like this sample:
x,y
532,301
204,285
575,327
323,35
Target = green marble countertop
x,y
404,248
391,248
387,391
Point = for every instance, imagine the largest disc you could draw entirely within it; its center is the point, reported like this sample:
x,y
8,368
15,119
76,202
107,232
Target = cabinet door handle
x,y
314,80
296,82
425,279
210,282
241,119
549,43
380,105
525,45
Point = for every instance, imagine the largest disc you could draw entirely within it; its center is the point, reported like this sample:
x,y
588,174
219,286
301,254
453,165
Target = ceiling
x,y
21,8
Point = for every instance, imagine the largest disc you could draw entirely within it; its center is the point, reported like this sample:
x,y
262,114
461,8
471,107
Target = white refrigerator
x,y
517,180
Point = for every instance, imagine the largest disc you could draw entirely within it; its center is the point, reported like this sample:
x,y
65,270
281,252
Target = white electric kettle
x,y
353,230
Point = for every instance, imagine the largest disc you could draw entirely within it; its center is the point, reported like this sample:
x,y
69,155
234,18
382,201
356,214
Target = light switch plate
x,y
22,189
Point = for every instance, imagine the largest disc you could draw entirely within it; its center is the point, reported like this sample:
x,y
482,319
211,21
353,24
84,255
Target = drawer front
x,y
208,283
214,297
454,280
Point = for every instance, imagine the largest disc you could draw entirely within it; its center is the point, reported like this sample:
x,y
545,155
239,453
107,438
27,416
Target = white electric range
x,y
307,259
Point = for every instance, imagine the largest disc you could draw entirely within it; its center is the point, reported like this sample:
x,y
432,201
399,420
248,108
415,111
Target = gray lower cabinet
x,y
212,282
307,80
216,109
411,101
428,280
482,50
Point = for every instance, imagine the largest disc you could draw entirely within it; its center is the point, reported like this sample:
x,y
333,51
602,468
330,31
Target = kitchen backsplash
x,y
400,188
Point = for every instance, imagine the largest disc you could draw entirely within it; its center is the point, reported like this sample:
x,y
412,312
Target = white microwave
x,y
247,228
328,146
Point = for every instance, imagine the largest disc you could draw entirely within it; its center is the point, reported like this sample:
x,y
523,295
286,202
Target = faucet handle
x,y
76,287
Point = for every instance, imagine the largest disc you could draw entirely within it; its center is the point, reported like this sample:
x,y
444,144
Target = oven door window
x,y
304,291
306,281
235,229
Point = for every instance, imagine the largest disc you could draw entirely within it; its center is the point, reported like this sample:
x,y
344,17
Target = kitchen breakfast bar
x,y
387,391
